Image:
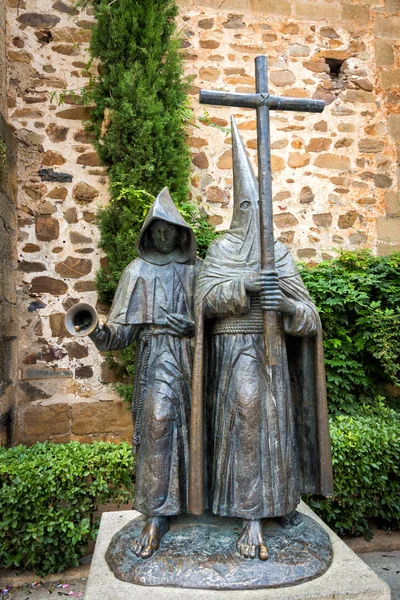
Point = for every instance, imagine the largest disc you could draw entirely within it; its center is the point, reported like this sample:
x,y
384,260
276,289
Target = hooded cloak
x,y
151,287
259,435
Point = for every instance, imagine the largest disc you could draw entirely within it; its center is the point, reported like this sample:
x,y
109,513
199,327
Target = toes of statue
x,y
263,552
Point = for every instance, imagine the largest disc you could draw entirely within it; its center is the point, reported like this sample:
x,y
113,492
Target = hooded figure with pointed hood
x,y
154,306
266,438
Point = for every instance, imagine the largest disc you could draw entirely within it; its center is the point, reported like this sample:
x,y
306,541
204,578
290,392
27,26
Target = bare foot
x,y
251,542
149,540
292,519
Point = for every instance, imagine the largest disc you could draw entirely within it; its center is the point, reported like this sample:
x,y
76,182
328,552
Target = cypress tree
x,y
140,105
138,123
142,91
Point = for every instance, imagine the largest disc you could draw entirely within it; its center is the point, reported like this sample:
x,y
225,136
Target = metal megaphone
x,y
81,319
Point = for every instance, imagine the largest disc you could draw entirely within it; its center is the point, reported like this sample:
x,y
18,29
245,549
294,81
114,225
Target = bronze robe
x,y
152,286
259,434
264,445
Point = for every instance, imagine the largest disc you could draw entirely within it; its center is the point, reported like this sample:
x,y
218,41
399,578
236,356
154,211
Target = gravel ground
x,y
48,591
385,564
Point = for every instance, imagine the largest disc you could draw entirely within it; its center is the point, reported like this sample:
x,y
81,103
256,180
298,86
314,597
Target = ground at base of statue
x,y
348,577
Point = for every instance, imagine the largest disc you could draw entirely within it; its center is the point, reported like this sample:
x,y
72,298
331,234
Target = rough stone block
x,y
387,249
392,204
44,372
102,417
8,220
7,284
48,285
57,325
46,228
40,420
332,161
281,8
9,325
354,12
73,268
390,78
388,229
9,183
394,126
348,578
387,27
384,54
317,11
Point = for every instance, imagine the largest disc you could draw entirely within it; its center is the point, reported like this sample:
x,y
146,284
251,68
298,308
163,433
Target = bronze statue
x,y
266,425
154,306
254,427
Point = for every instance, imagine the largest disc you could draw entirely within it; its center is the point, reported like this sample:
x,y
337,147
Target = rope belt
x,y
252,322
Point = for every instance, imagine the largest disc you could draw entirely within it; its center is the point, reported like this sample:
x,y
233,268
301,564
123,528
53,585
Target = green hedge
x,y
48,498
366,468
358,299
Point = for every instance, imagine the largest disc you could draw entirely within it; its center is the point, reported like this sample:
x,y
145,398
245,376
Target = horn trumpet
x,y
81,319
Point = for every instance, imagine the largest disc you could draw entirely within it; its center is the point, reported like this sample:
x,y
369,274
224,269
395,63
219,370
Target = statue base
x,y
348,577
200,553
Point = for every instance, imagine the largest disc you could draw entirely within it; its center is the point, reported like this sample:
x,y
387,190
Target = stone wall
x,y
62,388
334,174
8,266
8,234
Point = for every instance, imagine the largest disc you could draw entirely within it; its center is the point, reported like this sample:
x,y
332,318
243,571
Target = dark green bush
x,y
142,88
138,123
358,298
366,466
48,497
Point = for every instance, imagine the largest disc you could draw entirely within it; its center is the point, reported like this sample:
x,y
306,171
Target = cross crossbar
x,y
257,100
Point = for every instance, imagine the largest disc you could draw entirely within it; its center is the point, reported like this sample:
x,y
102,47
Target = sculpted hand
x,y
101,329
180,324
253,282
102,324
272,298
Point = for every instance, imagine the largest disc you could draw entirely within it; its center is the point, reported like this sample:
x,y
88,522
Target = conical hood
x,y
245,184
164,208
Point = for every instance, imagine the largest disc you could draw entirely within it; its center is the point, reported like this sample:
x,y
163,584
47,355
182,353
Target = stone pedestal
x,y
348,577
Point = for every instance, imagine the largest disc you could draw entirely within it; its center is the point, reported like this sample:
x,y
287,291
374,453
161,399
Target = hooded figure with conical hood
x,y
154,306
266,428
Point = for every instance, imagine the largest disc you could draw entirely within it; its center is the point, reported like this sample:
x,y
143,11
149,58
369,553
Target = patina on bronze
x,y
154,307
262,102
200,552
259,433
265,387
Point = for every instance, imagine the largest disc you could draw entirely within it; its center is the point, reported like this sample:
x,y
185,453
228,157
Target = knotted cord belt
x,y
252,322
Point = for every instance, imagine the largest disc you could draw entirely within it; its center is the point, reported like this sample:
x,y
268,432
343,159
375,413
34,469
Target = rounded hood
x,y
164,209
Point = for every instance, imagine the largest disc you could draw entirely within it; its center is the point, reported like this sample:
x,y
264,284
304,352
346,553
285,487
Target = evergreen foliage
x,y
138,119
366,472
140,95
49,495
140,107
358,299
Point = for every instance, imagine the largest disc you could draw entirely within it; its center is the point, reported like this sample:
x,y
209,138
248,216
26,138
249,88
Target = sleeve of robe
x,y
227,299
304,322
113,337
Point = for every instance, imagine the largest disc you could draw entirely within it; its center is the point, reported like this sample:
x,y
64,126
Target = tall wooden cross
x,y
263,103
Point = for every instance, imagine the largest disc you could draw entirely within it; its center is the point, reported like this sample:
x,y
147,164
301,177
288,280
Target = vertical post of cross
x,y
265,195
